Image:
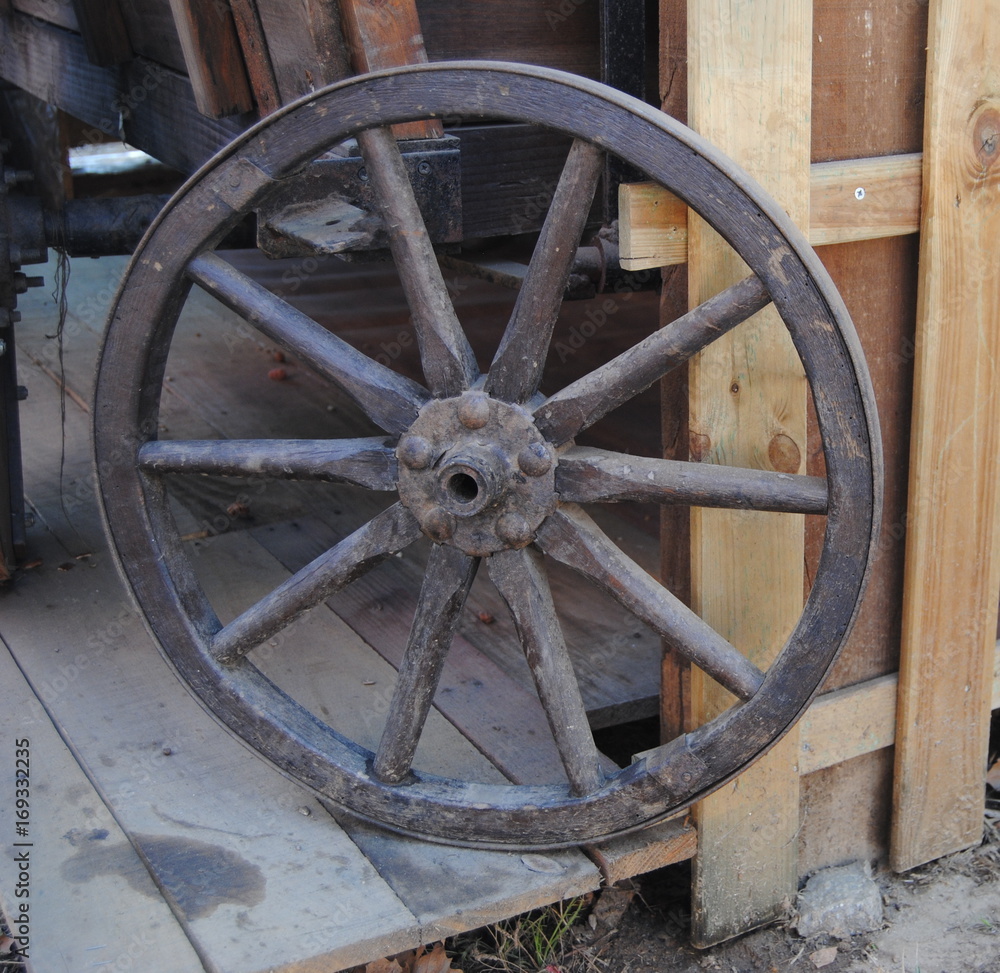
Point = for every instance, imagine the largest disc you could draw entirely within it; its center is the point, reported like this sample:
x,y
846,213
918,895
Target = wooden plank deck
x,y
241,868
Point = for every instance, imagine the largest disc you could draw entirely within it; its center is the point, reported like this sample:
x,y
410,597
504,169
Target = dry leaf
x,y
436,961
823,957
383,966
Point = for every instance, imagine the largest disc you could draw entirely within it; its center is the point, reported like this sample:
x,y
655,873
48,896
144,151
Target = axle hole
x,y
463,487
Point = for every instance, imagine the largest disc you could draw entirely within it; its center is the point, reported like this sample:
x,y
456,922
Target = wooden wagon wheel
x,y
483,465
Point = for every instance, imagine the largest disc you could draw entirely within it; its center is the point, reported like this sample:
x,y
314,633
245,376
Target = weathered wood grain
x,y
748,92
448,577
952,574
857,199
386,34
580,404
213,57
523,31
868,91
305,45
153,32
256,56
449,364
79,913
516,370
587,475
389,399
521,581
103,29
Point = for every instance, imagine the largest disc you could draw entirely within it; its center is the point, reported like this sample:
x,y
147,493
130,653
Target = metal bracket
x,y
329,207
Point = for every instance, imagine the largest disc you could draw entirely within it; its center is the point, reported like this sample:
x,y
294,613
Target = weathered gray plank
x,y
323,663
89,898
178,806
489,884
188,796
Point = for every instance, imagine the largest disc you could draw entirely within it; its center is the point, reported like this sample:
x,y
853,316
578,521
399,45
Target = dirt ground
x,y
942,918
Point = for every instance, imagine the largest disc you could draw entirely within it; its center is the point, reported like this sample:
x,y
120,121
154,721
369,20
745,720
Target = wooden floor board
x,y
89,898
255,882
324,665
184,790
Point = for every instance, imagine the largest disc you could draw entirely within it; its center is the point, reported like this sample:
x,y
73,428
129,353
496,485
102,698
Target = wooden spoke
x,y
586,475
582,403
517,367
448,362
521,581
381,537
447,581
572,538
387,398
364,462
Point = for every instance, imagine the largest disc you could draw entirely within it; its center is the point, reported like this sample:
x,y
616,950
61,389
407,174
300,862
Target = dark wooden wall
x,y
868,70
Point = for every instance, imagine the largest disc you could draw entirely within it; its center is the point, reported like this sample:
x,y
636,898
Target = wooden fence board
x,y
952,565
748,92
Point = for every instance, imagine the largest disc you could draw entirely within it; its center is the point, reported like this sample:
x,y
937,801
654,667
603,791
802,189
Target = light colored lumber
x,y
644,851
858,719
847,723
858,199
864,199
749,88
952,569
88,898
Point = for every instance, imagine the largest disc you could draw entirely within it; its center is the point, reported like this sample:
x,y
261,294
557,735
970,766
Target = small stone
x,y
167,751
277,374
840,902
305,812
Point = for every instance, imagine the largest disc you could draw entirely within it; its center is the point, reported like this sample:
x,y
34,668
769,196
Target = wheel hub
x,y
477,474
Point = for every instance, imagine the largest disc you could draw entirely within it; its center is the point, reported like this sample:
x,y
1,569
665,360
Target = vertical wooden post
x,y
386,34
749,92
952,572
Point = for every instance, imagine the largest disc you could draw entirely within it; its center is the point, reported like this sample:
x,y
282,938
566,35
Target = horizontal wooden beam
x,y
859,719
644,851
859,199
